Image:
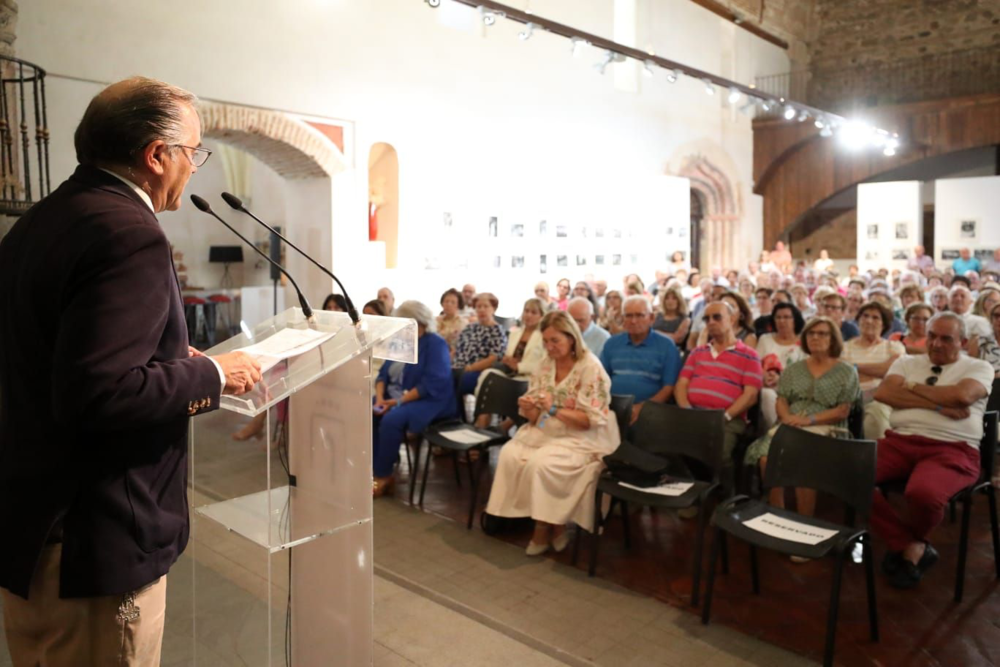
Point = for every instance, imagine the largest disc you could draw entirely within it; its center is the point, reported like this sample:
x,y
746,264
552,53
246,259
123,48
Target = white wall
x,y
895,213
478,117
960,200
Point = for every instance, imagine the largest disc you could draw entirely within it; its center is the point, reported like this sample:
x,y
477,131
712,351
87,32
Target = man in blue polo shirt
x,y
641,362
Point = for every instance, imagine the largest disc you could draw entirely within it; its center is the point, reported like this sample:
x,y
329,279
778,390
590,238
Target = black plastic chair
x,y
993,402
984,485
842,468
676,434
497,396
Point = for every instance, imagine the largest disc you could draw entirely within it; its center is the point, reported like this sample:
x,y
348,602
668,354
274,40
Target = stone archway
x,y
722,212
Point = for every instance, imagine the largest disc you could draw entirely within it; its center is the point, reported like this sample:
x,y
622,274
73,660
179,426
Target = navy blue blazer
x,y
96,390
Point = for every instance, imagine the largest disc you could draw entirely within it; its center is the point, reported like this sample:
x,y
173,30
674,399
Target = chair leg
x,y
994,527
718,544
414,472
699,544
577,536
427,467
831,617
595,539
869,558
474,482
754,575
963,547
626,529
725,554
951,511
454,460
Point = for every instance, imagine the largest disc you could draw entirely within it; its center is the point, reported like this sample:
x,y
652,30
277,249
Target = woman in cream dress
x,y
549,470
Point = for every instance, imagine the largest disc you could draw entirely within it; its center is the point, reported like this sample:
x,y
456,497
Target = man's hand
x,y
955,413
771,379
241,370
194,353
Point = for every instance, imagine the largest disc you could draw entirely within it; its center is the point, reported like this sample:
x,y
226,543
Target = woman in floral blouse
x,y
548,471
481,344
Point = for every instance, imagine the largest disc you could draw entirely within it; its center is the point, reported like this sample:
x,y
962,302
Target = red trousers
x,y
934,470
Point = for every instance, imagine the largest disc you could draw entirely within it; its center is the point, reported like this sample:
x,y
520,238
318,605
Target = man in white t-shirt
x,y
937,402
960,302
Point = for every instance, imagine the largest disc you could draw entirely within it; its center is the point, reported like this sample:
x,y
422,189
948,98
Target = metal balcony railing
x,y
24,169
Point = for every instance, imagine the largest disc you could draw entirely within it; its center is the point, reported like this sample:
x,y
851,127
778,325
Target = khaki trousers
x,y
109,631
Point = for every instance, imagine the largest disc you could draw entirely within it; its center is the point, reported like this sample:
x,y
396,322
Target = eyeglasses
x,y
636,316
715,317
831,307
932,380
818,334
198,155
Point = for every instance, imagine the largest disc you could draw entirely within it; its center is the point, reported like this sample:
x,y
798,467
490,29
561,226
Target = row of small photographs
x,y
518,230
967,230
518,261
904,254
897,254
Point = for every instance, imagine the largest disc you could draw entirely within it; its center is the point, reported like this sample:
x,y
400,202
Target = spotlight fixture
x,y
748,105
489,16
826,132
647,68
765,106
734,95
889,152
578,44
609,57
819,123
529,30
855,135
804,116
434,4
709,87
790,112
673,75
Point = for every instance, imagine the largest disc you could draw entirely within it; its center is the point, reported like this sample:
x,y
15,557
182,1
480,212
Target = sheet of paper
x,y
285,344
787,529
466,436
671,489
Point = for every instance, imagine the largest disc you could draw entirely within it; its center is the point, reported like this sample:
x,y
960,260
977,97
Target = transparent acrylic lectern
x,y
281,493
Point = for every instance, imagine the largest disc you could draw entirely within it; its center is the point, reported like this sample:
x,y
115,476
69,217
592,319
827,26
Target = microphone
x,y
203,206
237,204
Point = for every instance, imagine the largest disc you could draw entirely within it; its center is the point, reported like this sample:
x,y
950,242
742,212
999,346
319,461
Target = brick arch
x,y
722,213
283,142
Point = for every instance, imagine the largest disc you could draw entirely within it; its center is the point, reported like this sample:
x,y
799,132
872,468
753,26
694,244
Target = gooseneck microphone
x,y
237,204
203,206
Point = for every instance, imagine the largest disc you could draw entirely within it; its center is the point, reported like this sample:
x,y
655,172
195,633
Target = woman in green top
x,y
815,394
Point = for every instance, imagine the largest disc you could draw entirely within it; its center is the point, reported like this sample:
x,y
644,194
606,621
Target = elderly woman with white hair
x,y
549,470
408,397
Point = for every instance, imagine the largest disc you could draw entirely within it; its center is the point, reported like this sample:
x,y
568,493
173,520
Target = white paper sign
x,y
786,529
671,489
466,436
285,344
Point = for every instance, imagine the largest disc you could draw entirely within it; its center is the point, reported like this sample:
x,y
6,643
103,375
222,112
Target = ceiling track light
x,y
748,105
578,44
765,106
790,112
489,16
433,4
709,87
609,57
804,116
529,30
826,132
734,95
673,75
647,68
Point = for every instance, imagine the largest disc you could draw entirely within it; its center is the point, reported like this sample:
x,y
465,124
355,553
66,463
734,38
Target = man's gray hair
x,y
730,307
117,125
415,310
948,315
956,288
590,306
637,298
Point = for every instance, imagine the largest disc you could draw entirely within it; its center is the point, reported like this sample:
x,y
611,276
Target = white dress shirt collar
x,y
139,191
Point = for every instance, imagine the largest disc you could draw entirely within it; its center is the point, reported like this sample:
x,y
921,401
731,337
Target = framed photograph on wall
x,y
517,261
902,231
599,260
950,254
562,260
900,253
873,231
494,225
517,231
581,260
871,256
496,261
967,229
983,255
543,263
616,260
562,232
543,228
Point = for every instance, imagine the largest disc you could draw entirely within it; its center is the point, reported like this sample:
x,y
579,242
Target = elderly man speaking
x,y
640,361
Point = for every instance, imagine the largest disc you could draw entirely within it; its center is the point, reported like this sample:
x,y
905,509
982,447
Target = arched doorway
x,y
697,229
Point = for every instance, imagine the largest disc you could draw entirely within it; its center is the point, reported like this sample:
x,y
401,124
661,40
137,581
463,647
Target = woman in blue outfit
x,y
408,397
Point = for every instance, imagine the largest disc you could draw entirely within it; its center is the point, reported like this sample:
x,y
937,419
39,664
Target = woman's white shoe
x,y
560,543
536,549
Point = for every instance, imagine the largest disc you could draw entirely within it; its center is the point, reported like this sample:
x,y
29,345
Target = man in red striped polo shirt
x,y
725,375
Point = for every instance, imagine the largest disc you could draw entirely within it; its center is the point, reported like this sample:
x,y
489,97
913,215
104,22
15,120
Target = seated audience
x,y
582,312
988,349
783,296
816,394
583,290
549,470
960,303
909,295
854,300
408,397
639,361
764,304
480,345
450,322
800,295
710,292
777,351
672,321
834,307
335,303
611,319
937,402
387,298
988,297
542,294
468,296
562,298
742,320
872,356
723,375
374,307
965,263
915,339
938,298
882,298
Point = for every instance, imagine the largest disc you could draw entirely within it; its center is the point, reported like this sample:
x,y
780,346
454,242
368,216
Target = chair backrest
x,y
842,468
621,405
856,420
498,396
671,429
988,445
993,402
